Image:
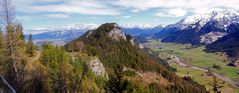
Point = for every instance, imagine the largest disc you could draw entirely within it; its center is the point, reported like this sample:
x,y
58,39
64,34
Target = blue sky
x,y
46,13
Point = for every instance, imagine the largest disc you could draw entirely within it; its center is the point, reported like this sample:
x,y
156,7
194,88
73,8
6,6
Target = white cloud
x,y
90,7
173,8
139,4
38,30
162,14
135,10
24,18
93,17
126,16
186,6
56,16
156,19
176,12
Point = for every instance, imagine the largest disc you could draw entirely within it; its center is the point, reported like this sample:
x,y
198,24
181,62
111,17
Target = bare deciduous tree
x,y
7,12
13,31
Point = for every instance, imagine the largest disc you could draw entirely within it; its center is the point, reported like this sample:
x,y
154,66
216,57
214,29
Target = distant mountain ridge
x,y
200,29
59,35
143,37
63,34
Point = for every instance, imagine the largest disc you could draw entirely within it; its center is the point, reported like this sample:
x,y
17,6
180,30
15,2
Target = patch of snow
x,y
141,26
89,34
62,29
224,17
211,37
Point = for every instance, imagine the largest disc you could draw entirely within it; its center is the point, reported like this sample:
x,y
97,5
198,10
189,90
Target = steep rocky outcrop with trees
x,y
126,64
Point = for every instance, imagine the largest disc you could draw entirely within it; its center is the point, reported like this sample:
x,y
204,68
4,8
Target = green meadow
x,y
197,57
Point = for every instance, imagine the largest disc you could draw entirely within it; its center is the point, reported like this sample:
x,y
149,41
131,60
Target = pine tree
x,y
30,46
117,84
7,16
11,48
12,52
15,59
55,60
14,42
19,32
3,56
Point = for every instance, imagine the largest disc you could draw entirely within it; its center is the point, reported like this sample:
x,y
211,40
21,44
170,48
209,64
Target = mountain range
x,y
203,29
63,34
200,29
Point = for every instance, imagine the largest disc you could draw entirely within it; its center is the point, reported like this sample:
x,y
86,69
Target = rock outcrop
x,y
117,34
96,66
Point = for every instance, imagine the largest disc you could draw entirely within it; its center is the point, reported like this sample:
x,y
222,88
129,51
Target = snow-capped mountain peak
x,y
80,27
69,32
221,18
201,28
141,26
77,26
62,29
215,15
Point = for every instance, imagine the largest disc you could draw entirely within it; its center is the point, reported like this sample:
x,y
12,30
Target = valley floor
x,y
194,62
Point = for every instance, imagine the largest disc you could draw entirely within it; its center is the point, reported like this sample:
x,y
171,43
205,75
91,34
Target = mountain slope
x,y
228,43
116,49
200,29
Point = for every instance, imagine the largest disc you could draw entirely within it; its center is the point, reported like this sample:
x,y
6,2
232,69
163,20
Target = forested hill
x,y
114,47
125,61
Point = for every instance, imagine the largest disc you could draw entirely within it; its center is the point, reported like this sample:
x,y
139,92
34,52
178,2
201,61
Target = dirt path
x,y
38,53
226,79
29,64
